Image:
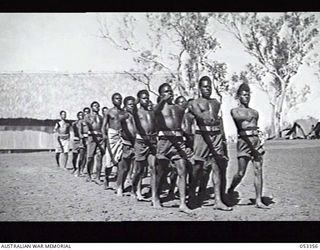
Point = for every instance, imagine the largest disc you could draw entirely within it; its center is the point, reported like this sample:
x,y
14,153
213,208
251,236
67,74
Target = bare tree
x,y
280,44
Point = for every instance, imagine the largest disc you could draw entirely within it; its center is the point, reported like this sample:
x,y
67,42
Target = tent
x,y
301,128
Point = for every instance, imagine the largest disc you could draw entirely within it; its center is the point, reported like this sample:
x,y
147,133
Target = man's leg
x,y
65,160
196,174
219,204
204,178
107,170
58,159
137,177
124,167
258,182
242,167
173,181
81,160
158,177
90,162
182,173
98,166
223,173
74,161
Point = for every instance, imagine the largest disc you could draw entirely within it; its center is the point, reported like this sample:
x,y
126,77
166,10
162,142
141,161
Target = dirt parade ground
x,y
34,189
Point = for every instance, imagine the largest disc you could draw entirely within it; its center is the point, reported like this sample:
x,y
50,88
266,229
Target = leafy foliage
x,y
280,44
177,44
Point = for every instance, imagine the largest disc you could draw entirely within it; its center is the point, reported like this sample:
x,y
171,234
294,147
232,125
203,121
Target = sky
x,y
65,42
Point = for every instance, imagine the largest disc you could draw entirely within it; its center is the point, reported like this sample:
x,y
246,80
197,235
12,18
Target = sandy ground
x,y
32,188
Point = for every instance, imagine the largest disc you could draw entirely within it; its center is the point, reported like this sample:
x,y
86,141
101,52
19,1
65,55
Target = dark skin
x,y
111,120
85,130
62,129
104,111
78,128
145,122
129,133
94,122
170,117
206,112
244,118
187,124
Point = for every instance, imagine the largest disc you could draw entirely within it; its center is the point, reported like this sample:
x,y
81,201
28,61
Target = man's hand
x,y
167,97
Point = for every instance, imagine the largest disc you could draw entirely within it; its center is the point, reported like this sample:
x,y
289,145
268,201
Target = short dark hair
x,y
105,108
190,100
177,99
86,108
95,102
128,98
62,111
243,87
141,92
204,78
115,95
162,86
80,112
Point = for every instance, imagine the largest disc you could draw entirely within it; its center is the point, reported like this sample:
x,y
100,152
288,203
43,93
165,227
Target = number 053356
x,y
309,245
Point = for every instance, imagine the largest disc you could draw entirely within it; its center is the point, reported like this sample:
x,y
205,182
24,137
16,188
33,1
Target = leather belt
x,y
141,137
170,133
248,133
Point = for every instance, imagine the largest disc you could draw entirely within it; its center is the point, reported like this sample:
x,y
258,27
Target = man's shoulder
x,y
255,112
234,110
196,101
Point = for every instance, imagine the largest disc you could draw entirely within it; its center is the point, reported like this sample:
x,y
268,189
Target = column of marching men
x,y
180,143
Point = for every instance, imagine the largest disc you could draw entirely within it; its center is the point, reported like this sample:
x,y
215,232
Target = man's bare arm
x,y
158,107
196,111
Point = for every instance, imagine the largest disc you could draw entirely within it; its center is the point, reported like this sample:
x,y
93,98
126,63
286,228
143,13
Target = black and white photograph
x,y
159,116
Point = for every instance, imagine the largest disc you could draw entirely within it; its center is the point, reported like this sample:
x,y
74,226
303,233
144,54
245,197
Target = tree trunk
x,y
278,112
273,121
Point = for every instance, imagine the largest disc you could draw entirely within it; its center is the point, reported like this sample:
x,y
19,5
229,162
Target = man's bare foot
x,y
222,207
98,182
119,192
185,209
156,204
88,179
106,185
261,205
139,197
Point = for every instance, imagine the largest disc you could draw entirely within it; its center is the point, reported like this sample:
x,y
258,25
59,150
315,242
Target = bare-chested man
x,y
208,143
79,146
171,146
95,147
85,134
128,135
111,131
62,131
145,143
249,146
188,128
